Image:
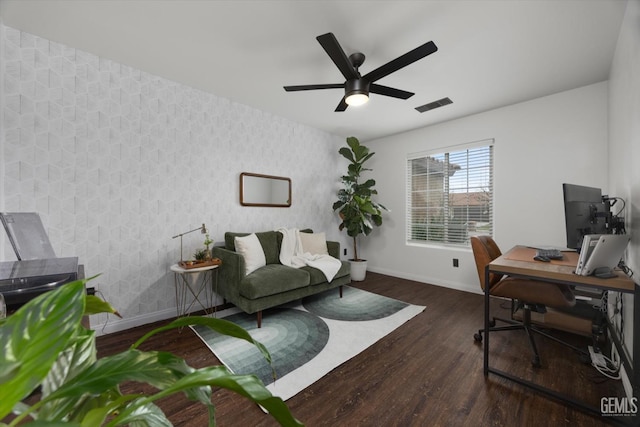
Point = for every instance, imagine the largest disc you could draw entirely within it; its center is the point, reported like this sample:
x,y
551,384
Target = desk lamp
x,y
202,229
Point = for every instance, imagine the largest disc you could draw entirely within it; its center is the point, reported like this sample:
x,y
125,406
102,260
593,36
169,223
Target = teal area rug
x,y
309,338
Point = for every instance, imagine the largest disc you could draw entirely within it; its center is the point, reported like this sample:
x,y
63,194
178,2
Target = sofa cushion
x,y
272,279
269,240
316,276
314,243
251,250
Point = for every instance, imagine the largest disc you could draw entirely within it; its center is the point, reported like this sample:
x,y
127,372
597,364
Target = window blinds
x,y
450,195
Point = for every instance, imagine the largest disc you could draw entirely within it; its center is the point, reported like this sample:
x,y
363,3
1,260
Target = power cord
x,y
603,306
616,221
619,310
106,322
610,368
624,203
619,306
625,268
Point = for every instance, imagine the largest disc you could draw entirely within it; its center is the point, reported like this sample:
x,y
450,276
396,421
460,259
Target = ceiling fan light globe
x,y
356,99
356,92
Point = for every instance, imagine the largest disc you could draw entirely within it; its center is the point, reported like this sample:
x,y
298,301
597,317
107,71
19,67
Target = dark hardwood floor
x,y
428,372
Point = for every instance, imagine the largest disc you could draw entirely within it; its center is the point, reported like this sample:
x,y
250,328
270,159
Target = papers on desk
x,y
601,251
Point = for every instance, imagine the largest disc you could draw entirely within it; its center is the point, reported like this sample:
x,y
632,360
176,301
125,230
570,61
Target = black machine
x,y
20,281
37,269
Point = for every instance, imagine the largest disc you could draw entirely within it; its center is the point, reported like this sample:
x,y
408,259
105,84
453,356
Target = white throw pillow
x,y
251,249
314,243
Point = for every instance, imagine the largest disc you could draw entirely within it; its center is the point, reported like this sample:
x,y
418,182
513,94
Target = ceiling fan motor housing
x,y
357,59
354,86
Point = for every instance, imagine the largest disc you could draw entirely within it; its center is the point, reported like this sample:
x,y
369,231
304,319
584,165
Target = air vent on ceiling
x,y
435,104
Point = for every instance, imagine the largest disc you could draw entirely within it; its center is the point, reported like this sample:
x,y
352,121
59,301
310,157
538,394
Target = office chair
x,y
531,295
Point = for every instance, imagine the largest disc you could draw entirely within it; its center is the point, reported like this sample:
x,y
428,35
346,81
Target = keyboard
x,y
549,253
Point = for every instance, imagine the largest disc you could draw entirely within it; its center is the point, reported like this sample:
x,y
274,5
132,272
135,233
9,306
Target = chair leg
x,y
535,329
259,314
530,329
340,291
513,326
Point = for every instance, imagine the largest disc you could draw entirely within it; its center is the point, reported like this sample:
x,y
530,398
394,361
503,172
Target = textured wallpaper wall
x,y
117,161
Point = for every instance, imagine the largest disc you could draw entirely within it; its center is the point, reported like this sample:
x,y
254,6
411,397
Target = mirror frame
x,y
244,202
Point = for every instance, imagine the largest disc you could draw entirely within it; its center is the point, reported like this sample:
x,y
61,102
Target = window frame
x,y
444,233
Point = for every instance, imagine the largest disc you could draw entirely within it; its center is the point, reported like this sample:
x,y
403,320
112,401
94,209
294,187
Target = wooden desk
x,y
519,262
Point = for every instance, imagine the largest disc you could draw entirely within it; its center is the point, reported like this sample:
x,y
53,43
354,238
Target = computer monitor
x,y
585,213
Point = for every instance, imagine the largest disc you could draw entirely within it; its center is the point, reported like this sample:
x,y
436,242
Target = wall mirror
x,y
264,190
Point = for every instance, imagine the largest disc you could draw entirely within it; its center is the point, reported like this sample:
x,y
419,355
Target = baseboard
x,y
117,325
429,280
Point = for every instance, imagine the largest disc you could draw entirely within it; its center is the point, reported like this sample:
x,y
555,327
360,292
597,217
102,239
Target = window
x,y
450,195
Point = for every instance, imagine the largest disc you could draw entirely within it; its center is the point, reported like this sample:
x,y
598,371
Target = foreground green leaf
x,y
45,344
221,326
245,385
33,338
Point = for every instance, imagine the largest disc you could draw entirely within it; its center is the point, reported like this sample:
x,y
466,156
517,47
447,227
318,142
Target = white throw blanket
x,y
292,255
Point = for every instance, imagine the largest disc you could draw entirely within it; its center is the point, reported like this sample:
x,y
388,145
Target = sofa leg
x,y
340,291
259,319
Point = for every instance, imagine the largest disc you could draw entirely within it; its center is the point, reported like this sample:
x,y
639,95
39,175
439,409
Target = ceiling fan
x,y
357,87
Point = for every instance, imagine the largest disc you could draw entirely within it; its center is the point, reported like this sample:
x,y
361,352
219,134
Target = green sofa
x,y
273,284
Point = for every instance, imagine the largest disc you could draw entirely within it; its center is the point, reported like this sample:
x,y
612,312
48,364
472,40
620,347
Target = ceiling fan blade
x,y
314,87
401,61
332,47
389,91
341,106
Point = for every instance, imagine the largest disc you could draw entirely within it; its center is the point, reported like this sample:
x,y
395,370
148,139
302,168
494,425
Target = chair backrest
x,y
485,250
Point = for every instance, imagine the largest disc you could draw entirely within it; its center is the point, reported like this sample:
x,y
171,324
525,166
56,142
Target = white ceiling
x,y
491,53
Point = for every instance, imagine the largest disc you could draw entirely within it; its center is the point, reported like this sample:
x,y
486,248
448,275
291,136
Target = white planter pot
x,y
358,270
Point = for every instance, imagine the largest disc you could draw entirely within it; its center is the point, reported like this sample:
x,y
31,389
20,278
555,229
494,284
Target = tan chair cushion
x,y
533,291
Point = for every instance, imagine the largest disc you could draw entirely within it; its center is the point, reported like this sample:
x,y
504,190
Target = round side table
x,y
189,281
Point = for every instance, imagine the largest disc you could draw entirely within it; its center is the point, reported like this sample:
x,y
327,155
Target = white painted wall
x,y
539,144
624,143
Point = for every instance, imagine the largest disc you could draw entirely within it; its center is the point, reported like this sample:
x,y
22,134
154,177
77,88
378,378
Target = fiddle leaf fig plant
x,y
358,211
48,353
